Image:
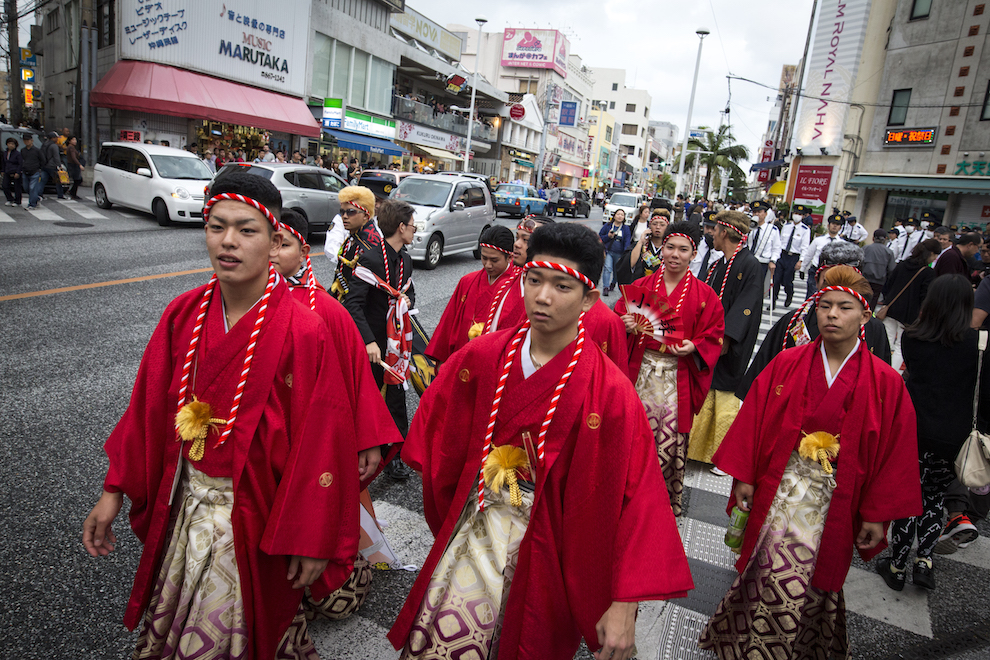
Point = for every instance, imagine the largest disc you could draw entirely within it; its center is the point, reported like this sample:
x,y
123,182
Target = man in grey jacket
x,y
51,158
33,161
878,262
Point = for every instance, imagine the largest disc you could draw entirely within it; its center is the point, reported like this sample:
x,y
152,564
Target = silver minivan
x,y
450,214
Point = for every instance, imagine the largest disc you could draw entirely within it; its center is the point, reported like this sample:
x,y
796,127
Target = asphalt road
x,y
68,362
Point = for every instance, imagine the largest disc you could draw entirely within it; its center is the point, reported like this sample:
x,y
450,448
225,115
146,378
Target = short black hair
x,y
498,236
296,220
10,139
942,231
881,234
254,186
690,228
570,241
392,214
968,238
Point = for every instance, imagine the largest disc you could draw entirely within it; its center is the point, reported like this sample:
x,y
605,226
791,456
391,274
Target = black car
x,y
573,202
659,202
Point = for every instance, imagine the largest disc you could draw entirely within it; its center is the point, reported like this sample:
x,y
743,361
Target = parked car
x,y
518,200
660,202
308,189
471,175
163,181
626,201
382,182
574,202
450,214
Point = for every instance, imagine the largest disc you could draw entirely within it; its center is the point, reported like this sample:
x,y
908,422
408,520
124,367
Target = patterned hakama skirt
x,y
197,610
461,615
772,611
712,423
657,389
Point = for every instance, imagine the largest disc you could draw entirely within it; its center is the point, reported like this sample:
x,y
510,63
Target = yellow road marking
x,y
96,285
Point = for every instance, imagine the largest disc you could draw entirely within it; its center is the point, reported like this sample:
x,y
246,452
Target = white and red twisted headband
x,y
852,292
694,245
235,197
732,227
495,247
581,277
310,277
359,208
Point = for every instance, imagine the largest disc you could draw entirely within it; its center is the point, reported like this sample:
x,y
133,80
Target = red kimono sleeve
x,y
443,342
319,480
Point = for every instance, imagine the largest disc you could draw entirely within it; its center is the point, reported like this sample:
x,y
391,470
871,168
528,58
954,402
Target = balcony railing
x,y
403,108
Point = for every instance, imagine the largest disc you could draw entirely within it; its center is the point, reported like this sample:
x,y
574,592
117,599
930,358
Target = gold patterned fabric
x,y
344,601
711,424
657,389
196,607
462,613
772,611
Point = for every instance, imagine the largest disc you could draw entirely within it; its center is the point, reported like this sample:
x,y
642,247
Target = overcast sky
x,y
658,47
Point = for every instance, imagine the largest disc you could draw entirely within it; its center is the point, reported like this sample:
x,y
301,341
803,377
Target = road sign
x,y
28,58
27,74
517,111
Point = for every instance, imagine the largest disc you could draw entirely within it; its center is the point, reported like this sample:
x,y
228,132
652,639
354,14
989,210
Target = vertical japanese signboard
x,y
812,187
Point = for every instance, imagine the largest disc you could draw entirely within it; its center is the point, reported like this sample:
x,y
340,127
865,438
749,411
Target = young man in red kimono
x,y
540,512
467,312
357,210
604,328
374,426
235,433
824,454
673,374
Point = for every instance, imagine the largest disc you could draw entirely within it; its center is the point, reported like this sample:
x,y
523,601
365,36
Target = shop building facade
x,y
631,108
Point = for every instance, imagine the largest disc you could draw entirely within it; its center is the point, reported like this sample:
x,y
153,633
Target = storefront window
x,y
342,71
322,57
359,79
901,206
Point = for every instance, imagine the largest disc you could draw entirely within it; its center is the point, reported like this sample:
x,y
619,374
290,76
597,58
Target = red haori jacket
x,y
877,478
601,528
294,457
470,304
702,321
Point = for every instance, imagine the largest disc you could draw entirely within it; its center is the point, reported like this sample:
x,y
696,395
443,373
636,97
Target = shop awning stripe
x,y
929,184
165,90
364,142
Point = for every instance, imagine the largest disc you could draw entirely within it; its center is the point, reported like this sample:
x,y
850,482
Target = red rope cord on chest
x,y
499,296
310,278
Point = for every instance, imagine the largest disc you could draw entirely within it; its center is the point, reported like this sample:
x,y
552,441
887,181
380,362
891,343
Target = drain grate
x,y
73,224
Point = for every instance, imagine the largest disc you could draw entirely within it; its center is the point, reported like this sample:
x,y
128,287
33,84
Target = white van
x,y
163,181
450,214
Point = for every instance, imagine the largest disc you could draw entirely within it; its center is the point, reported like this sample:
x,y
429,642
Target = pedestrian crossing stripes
x,y
42,213
5,218
82,209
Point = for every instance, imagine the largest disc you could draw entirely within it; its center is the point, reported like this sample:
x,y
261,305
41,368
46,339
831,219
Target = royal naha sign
x,y
832,68
250,41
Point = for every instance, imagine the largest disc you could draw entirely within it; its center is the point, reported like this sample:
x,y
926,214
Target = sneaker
x,y
923,575
398,470
893,577
961,530
719,473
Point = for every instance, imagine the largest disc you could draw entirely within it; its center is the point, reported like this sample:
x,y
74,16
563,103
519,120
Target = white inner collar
x,y
525,359
830,378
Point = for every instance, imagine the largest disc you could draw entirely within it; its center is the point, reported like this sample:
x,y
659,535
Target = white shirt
x,y
336,236
526,360
764,243
699,258
905,243
802,236
812,253
830,377
855,232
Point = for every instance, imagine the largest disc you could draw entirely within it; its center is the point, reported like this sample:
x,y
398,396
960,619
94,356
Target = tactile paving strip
x,y
706,542
698,475
706,506
680,629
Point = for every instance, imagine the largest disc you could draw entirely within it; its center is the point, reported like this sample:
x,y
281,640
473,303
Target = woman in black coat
x,y
941,354
904,292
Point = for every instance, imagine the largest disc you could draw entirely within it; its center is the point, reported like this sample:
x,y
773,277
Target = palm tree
x,y
722,152
667,185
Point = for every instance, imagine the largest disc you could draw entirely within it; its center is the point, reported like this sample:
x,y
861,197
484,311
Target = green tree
x,y
667,185
722,152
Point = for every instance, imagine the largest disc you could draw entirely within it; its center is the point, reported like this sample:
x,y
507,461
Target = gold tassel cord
x,y
501,467
476,330
193,422
821,447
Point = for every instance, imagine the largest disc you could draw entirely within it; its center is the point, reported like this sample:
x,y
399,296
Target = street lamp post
x,y
481,20
702,33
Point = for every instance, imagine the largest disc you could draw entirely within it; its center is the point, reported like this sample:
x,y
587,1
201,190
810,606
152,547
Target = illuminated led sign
x,y
910,136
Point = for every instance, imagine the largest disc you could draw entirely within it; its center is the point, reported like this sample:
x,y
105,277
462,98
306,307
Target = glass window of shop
x,y
342,71
903,205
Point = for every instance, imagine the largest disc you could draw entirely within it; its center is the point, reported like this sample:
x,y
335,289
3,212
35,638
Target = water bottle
x,y
737,527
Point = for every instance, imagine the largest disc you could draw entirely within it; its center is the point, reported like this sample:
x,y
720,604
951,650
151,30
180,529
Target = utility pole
x,y
16,97
543,135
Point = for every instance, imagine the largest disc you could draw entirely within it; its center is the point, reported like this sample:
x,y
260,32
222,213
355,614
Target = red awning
x,y
165,90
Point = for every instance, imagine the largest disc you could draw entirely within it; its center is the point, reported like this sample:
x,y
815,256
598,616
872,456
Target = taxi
x,y
518,200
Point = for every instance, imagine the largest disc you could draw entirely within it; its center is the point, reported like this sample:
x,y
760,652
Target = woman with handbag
x,y
615,237
904,292
942,359
74,166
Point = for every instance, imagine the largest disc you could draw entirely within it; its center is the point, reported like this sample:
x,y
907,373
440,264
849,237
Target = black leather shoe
x,y
398,470
894,580
923,575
